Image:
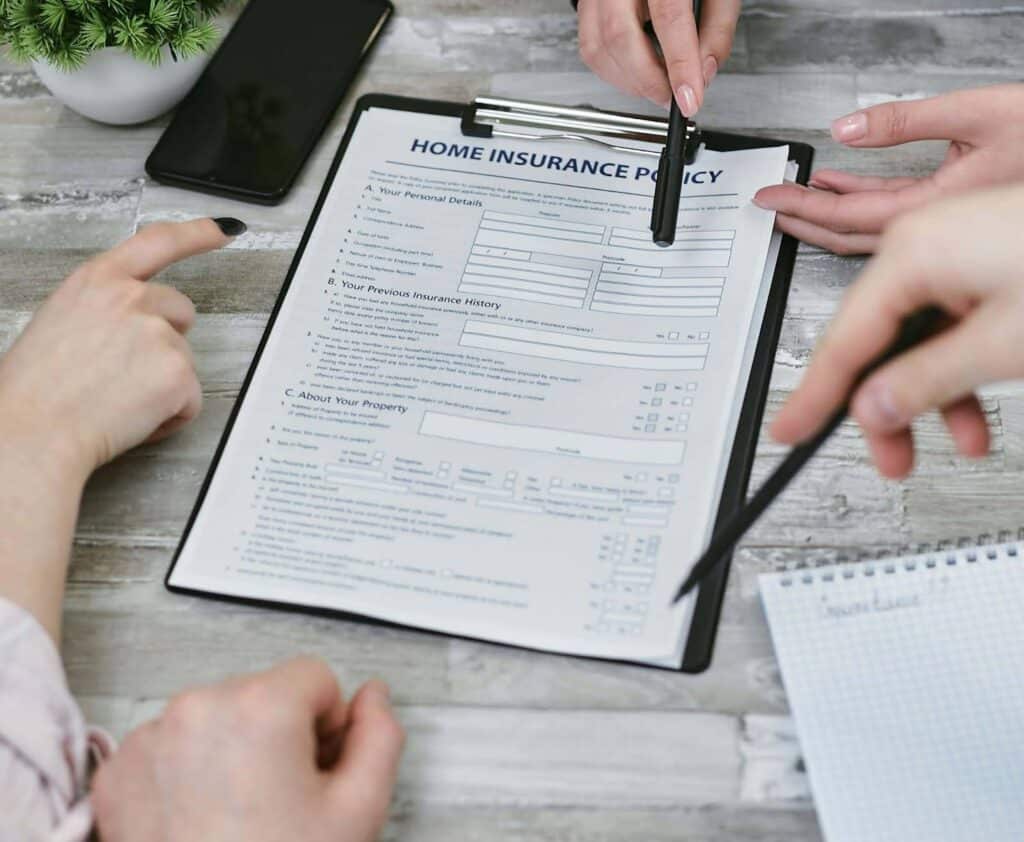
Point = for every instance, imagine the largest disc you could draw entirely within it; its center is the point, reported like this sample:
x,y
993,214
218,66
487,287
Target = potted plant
x,y
115,61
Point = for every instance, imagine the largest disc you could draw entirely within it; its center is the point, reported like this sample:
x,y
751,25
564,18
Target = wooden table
x,y
504,744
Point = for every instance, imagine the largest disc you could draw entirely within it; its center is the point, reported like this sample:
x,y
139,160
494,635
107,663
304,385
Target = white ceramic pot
x,y
115,87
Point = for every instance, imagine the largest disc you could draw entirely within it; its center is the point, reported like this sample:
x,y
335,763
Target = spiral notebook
x,y
906,681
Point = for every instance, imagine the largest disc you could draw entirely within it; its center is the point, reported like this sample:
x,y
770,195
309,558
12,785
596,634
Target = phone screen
x,y
267,94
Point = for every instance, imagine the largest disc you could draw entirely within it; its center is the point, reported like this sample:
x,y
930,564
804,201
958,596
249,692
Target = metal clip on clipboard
x,y
535,121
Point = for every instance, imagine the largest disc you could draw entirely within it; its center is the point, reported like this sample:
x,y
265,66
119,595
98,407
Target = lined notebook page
x,y
906,682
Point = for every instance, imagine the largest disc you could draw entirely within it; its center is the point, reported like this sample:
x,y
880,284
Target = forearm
x,y
39,500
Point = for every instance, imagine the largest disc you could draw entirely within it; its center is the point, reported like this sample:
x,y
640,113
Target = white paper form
x,y
490,405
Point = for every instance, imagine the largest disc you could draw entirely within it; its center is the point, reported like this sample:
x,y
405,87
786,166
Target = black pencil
x,y
914,330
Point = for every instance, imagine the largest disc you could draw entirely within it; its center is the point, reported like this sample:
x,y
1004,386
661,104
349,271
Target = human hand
x,y
614,45
962,255
270,757
845,213
104,365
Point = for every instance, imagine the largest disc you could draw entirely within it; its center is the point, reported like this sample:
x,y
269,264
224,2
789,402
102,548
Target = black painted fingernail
x,y
230,226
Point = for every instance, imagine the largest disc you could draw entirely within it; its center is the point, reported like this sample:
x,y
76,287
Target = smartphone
x,y
268,93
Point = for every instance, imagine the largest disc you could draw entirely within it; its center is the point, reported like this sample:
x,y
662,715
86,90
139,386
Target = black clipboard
x,y
707,610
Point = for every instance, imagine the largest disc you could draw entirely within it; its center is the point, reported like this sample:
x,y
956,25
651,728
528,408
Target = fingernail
x,y
687,99
230,226
710,69
851,127
875,409
763,202
817,185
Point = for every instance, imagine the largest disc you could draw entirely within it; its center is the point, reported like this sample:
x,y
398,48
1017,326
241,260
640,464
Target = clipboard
x,y
488,116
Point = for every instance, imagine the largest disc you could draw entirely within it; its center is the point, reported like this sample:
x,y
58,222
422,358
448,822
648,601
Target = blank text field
x,y
548,440
618,353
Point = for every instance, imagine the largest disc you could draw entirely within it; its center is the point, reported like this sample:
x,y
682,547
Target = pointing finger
x,y
157,246
946,117
677,33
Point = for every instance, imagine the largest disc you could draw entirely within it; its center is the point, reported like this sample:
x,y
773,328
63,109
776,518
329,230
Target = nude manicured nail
x,y
710,69
851,127
875,409
687,99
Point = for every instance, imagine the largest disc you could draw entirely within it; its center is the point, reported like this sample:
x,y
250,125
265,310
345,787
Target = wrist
x,y
40,452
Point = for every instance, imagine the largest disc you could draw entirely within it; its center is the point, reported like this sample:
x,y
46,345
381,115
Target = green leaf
x,y
130,32
53,14
66,32
93,34
21,14
195,39
163,15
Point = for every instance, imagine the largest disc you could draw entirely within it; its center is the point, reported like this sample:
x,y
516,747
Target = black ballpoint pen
x,y
916,328
669,185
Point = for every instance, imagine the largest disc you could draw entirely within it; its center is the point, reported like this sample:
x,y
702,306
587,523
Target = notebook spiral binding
x,y
908,557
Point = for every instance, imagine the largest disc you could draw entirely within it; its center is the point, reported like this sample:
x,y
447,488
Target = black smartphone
x,y
254,116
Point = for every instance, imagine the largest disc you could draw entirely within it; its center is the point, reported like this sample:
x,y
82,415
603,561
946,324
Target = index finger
x,y
868,321
157,246
677,33
952,116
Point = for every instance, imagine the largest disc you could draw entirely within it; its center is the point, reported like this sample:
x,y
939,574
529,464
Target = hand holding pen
x,y
934,316
614,45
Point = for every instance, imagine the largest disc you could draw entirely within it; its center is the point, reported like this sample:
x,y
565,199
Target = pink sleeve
x,y
46,750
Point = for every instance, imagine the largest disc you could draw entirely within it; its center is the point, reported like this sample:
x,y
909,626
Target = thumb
x,y
935,374
891,123
362,782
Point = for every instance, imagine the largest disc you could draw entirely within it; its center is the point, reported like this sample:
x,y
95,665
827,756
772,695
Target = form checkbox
x,y
656,402
650,428
659,387
673,334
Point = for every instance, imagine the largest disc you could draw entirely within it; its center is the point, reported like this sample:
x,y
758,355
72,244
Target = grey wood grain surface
x,y
505,744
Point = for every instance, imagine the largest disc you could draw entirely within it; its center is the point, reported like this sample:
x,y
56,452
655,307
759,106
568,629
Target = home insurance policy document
x,y
489,404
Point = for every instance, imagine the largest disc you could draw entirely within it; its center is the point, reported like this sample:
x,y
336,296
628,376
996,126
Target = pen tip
x,y
684,589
